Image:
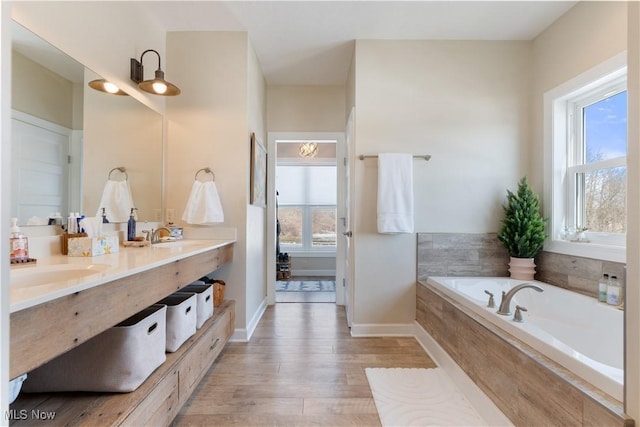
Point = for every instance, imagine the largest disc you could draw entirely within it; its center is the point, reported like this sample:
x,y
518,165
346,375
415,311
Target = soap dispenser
x,y
131,226
18,243
104,216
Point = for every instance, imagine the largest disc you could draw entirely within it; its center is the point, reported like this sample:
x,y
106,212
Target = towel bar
x,y
426,157
207,170
122,170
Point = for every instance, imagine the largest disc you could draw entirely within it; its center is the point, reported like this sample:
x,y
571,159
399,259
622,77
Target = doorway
x,y
302,219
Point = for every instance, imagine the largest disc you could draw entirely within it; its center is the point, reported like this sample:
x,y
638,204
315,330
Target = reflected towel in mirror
x,y
116,200
203,206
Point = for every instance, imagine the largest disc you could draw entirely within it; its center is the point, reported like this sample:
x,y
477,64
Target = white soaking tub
x,y
578,332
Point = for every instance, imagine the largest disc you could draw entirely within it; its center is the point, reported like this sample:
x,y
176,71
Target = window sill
x,y
588,250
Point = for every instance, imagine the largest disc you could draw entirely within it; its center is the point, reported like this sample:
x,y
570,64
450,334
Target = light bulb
x,y
159,87
110,87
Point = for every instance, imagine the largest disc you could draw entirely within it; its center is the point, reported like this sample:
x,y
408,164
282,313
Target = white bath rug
x,y
419,397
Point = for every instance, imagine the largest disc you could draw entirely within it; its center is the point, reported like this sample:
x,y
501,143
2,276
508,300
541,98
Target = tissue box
x,y
92,246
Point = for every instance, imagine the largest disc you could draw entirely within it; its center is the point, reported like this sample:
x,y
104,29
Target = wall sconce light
x,y
308,149
157,86
106,86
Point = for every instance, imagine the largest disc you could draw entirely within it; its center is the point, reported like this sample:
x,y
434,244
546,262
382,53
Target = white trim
x,y
272,137
478,399
382,330
555,159
244,335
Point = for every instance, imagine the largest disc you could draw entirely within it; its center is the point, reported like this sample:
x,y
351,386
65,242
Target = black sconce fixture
x,y
157,86
106,86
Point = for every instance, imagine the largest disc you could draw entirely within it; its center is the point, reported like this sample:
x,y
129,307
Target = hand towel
x,y
395,193
116,200
203,206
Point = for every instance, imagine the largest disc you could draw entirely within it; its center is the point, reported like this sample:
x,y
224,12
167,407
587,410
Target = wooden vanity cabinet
x,y
87,313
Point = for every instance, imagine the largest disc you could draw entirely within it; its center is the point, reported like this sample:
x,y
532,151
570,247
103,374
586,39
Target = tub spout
x,y
507,296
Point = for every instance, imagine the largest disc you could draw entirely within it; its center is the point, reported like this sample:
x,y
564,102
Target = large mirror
x,y
69,140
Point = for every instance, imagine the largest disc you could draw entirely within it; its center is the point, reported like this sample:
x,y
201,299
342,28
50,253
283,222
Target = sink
x,y
44,275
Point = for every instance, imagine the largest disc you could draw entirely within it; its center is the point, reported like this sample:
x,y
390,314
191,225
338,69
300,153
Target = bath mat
x,y
306,286
419,397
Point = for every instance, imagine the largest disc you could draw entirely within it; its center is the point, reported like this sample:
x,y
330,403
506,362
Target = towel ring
x,y
122,170
207,170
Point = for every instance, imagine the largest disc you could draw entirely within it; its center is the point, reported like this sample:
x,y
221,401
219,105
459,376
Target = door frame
x,y
272,138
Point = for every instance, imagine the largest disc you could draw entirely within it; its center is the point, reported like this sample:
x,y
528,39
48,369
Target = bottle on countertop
x,y
18,243
72,223
602,288
104,216
131,226
613,291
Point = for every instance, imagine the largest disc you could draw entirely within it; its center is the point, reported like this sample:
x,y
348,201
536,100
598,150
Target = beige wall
x,y
466,104
306,108
209,125
40,92
585,36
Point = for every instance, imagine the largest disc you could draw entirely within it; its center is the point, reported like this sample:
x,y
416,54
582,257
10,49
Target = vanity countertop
x,y
25,290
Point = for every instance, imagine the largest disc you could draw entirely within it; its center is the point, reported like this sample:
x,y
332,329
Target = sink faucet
x,y
507,296
154,236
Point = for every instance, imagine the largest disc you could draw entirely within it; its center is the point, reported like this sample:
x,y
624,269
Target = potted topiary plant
x,y
523,230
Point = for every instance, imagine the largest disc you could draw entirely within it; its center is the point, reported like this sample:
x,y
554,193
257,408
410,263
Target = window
x,y
307,207
586,144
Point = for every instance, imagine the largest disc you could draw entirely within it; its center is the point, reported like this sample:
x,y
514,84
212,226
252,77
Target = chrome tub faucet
x,y
507,296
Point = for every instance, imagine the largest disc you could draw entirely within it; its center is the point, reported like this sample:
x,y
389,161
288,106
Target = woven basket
x,y
218,292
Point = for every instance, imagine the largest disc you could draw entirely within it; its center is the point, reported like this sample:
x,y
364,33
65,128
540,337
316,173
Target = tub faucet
x,y
154,236
507,296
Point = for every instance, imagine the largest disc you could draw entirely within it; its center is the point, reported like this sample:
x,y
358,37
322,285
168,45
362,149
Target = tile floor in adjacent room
x,y
302,367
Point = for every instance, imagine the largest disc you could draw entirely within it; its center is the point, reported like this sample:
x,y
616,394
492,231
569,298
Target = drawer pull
x,y
214,344
152,328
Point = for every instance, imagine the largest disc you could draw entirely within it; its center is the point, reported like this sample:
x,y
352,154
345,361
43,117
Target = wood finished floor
x,y
301,368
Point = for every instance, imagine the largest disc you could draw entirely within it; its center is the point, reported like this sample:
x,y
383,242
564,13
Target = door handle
x,y
348,233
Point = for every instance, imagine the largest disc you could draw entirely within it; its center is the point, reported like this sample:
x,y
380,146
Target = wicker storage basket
x,y
117,360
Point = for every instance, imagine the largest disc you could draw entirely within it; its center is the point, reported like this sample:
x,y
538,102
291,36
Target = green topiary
x,y
523,228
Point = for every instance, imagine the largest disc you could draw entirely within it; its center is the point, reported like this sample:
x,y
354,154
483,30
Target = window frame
x,y
560,156
307,237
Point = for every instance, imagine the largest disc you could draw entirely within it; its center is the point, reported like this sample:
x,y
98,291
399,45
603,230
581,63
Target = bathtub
x,y
576,331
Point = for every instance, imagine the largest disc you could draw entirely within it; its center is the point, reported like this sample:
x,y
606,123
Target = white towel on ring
x,y
395,193
203,206
116,200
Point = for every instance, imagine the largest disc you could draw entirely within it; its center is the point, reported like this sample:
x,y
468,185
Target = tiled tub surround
x,y
529,388
483,255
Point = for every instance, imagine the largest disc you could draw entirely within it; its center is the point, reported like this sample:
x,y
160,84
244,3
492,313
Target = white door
x,y
344,263
40,161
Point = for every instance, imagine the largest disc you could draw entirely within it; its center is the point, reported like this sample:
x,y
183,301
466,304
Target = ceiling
x,y
311,42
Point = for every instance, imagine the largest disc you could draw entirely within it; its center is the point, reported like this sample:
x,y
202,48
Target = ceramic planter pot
x,y
522,268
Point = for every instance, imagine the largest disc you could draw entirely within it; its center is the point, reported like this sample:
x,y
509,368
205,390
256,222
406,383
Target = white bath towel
x,y
203,206
116,200
395,193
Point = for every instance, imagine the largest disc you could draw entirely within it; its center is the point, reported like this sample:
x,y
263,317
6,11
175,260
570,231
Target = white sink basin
x,y
44,275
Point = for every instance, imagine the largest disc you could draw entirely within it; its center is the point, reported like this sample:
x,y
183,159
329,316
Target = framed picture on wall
x,y
258,173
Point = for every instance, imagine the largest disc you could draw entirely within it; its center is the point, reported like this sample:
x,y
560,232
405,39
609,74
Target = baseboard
x,y
378,330
480,401
244,335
